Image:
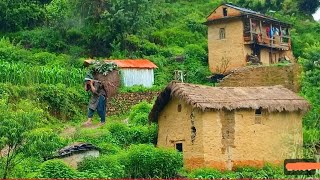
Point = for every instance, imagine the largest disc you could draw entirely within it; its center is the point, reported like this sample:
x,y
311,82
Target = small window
x,y
222,33
225,12
258,118
179,107
179,147
258,112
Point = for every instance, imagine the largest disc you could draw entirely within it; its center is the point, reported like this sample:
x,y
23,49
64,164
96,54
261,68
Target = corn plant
x,y
24,74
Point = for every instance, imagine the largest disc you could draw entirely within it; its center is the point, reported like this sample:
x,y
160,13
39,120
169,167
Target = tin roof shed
x,y
133,71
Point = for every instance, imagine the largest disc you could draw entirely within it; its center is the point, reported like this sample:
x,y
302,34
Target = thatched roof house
x,y
224,127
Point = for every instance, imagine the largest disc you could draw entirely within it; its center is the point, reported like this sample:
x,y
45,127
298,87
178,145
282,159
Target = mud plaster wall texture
x,y
287,76
123,102
175,127
218,13
229,49
275,137
226,140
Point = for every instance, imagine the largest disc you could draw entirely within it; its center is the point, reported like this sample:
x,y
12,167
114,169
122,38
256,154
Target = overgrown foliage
x,y
42,75
56,169
103,67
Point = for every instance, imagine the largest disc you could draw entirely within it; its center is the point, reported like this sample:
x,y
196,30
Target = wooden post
x,y
271,41
271,38
251,35
280,35
261,31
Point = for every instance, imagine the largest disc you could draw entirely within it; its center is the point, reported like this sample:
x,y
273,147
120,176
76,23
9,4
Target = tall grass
x,y
25,74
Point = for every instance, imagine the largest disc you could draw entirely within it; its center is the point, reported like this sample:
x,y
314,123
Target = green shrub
x,y
120,133
108,148
27,168
102,167
47,39
311,136
205,173
146,161
63,102
267,172
94,136
43,143
124,135
139,119
139,113
55,169
144,134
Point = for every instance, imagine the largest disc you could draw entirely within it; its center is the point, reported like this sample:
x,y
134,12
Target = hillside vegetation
x,y
44,42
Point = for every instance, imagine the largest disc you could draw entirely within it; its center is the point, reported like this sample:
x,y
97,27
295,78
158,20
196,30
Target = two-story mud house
x,y
237,36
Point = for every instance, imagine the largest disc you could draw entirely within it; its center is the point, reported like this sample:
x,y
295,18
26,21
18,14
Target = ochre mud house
x,y
237,35
225,127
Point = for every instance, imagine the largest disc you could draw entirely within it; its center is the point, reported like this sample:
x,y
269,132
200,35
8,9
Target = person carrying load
x,y
97,101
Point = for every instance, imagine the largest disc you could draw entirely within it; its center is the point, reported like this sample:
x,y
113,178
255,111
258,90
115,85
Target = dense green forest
x,y
42,47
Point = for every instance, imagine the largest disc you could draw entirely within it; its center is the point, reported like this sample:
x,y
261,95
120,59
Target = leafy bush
x,y
27,168
44,142
108,148
205,173
139,119
139,113
94,136
125,135
16,120
47,39
267,172
55,169
102,167
138,88
103,67
146,161
63,102
144,134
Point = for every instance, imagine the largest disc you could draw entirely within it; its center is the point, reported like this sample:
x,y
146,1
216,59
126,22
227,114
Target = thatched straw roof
x,y
206,98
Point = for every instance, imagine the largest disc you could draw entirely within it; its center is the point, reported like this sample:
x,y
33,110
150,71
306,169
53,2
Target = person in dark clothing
x,y
97,101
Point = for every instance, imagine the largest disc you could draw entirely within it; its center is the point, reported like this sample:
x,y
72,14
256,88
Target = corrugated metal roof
x,y
129,63
134,63
247,12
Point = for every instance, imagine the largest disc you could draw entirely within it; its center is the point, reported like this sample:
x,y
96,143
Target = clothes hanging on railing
x,y
268,31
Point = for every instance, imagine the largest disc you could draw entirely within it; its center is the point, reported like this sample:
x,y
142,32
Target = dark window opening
x,y
225,12
179,147
222,33
258,119
179,108
258,112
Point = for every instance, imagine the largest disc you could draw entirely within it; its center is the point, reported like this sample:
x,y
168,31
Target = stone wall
x,y
287,76
122,102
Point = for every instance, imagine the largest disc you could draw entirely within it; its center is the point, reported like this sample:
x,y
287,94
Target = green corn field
x,y
24,74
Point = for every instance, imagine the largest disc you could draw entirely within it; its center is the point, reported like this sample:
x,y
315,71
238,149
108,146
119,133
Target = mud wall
x,y
287,76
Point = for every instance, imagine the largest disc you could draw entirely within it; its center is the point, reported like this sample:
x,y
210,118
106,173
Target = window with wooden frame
x,y
222,33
